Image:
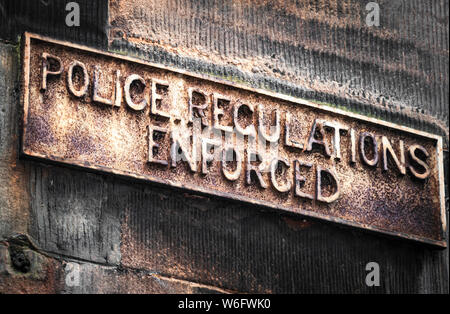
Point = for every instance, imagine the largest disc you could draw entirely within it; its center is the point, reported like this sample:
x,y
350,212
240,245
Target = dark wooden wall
x,y
136,237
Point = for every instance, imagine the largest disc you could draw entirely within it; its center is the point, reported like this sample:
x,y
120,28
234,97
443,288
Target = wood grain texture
x,y
245,248
75,214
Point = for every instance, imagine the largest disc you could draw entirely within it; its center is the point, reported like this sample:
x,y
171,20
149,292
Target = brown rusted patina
x,y
121,115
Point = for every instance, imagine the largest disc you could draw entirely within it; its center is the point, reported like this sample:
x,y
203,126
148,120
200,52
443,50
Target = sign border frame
x,y
24,99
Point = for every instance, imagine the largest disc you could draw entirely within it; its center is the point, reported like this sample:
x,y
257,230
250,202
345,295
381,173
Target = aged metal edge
x,y
206,191
26,59
440,154
25,82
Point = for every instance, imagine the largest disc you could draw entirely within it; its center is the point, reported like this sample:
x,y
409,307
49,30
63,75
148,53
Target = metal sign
x,y
121,115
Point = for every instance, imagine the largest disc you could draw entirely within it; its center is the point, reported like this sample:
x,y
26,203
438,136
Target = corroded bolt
x,y
18,259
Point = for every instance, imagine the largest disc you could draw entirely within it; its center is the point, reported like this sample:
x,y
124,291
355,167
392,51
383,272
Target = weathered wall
x,y
135,237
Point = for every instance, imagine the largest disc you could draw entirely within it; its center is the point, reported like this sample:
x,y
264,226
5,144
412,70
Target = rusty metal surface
x,y
101,124
321,50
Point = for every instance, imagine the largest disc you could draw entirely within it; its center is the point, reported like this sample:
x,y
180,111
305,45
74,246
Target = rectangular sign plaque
x,y
116,114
